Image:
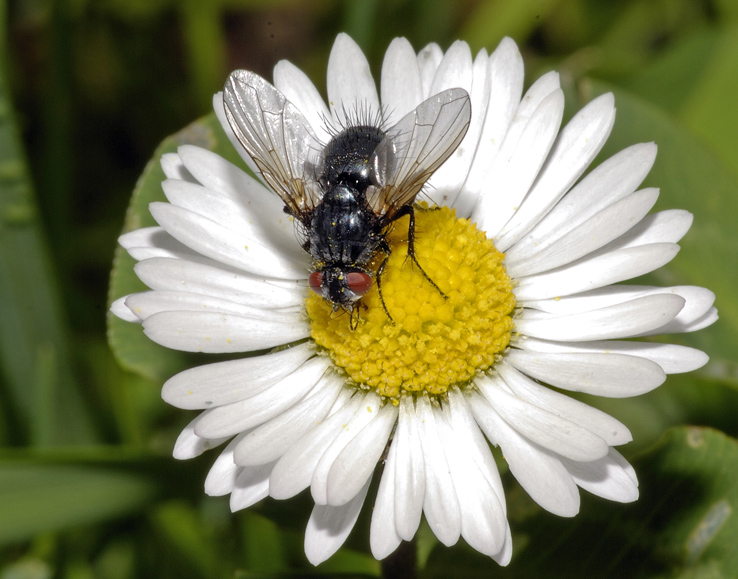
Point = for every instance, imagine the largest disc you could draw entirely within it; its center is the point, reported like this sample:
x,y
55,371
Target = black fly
x,y
344,195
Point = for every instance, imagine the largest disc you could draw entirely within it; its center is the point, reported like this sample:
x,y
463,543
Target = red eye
x,y
359,282
315,280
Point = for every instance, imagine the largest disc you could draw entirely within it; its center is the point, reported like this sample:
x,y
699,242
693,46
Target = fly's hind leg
x,y
384,248
410,210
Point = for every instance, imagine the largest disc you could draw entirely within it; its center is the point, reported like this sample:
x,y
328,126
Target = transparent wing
x,y
277,137
415,147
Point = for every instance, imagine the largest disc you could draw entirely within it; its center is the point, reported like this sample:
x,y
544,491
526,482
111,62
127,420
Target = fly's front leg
x,y
410,210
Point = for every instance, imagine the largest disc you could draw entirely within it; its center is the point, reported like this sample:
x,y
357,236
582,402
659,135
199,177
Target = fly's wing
x,y
415,147
277,137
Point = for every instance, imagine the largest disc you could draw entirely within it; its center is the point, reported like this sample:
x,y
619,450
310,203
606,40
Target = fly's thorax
x,y
348,157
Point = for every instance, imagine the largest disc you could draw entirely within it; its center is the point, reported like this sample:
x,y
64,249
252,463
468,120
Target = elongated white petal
x,y
384,538
233,418
222,476
227,382
617,321
119,309
220,333
349,82
357,461
517,165
610,375
562,436
294,471
252,485
146,304
609,182
219,281
150,242
698,303
428,60
576,147
270,441
594,233
408,471
482,517
189,445
174,168
441,504
367,412
301,92
329,527
505,72
400,86
603,425
537,470
672,358
242,250
663,227
611,477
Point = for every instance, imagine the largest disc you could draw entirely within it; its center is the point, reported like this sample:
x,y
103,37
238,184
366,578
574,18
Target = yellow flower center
x,y
432,342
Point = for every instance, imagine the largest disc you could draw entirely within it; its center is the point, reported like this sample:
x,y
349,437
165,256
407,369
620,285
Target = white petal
x,y
252,486
367,412
663,227
401,89
540,473
189,445
617,321
428,60
270,441
219,281
383,538
350,84
576,146
454,71
294,471
605,426
610,181
226,382
540,426
518,164
357,461
243,250
239,416
119,309
150,242
673,359
698,303
223,474
146,304
408,473
505,72
174,168
329,527
441,505
611,375
709,318
220,333
596,232
611,477
593,272
301,92
258,206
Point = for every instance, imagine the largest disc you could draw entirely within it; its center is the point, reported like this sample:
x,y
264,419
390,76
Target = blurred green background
x,y
88,90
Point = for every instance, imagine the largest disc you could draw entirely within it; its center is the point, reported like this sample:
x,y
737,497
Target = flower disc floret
x,y
432,342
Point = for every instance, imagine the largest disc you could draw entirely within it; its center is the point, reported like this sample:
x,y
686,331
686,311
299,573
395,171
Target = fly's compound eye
x,y
315,280
359,282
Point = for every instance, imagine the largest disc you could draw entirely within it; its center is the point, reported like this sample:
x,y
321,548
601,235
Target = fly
x,y
344,195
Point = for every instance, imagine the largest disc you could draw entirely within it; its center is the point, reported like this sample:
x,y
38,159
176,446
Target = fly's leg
x,y
385,248
410,210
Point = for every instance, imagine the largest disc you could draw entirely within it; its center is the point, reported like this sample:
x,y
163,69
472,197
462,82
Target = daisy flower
x,y
527,254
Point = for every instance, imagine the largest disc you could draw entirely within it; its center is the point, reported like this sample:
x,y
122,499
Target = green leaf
x,y
42,492
42,400
133,350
